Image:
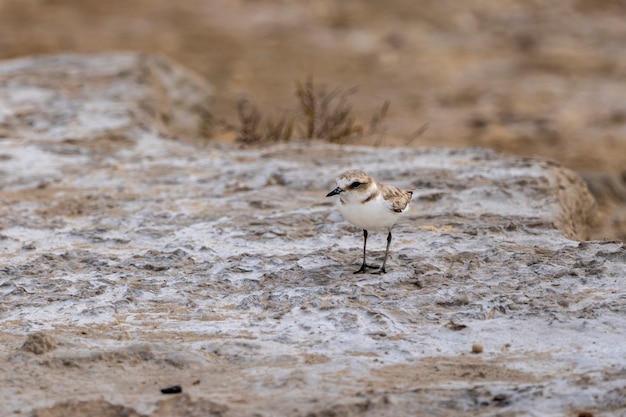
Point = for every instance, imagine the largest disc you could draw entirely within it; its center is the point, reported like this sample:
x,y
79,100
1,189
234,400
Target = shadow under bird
x,y
370,206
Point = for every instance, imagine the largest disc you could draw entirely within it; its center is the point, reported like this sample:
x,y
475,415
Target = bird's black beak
x,y
334,192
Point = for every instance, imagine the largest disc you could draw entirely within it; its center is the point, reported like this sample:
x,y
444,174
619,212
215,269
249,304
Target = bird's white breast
x,y
375,214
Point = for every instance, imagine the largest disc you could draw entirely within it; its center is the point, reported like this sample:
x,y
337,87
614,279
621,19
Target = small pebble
x,y
29,246
176,389
477,348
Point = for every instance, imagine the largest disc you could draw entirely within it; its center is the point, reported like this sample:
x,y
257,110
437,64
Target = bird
x,y
370,205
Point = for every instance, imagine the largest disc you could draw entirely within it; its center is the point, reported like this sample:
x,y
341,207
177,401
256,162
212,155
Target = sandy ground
x,y
525,77
247,299
134,259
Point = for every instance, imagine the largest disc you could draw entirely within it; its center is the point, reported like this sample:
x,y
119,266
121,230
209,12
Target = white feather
x,y
375,214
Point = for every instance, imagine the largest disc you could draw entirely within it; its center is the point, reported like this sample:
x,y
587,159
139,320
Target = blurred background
x,y
528,77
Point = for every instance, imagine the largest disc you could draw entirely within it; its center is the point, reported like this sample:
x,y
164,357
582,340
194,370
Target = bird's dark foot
x,y
380,271
364,268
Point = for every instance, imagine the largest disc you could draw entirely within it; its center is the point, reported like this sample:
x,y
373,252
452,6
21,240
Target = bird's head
x,y
353,185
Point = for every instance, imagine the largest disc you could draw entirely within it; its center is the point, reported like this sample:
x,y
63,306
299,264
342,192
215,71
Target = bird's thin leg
x,y
382,267
364,265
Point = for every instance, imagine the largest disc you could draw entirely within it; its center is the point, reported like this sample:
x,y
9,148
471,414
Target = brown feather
x,y
399,198
356,174
371,197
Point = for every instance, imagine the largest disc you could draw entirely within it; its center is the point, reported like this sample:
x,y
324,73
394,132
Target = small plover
x,y
370,205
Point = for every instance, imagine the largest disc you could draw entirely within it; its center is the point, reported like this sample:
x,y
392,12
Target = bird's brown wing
x,y
398,198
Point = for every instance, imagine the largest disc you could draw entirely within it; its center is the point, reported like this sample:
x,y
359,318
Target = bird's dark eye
x,y
355,184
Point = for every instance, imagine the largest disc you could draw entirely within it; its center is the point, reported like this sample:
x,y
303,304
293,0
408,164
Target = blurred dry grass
x,y
527,77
